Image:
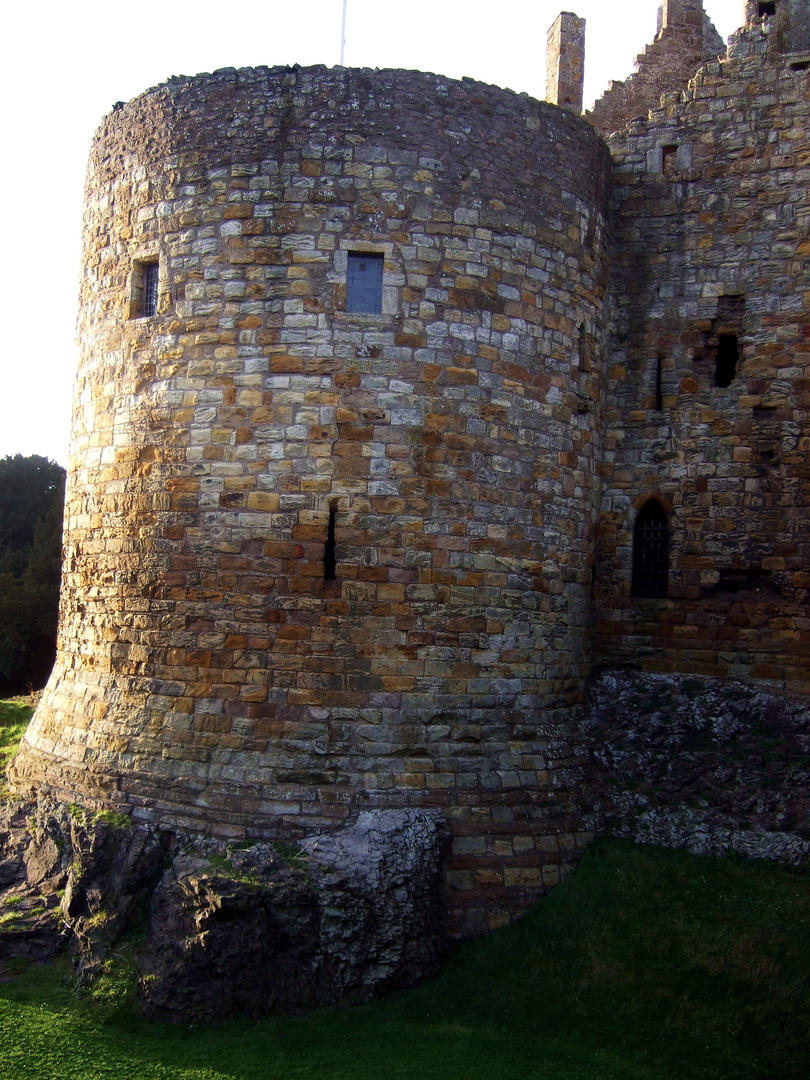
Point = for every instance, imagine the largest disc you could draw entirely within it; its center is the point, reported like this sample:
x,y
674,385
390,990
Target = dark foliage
x,y
31,498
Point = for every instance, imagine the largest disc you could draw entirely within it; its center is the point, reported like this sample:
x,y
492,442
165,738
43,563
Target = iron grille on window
x,y
150,289
651,552
364,283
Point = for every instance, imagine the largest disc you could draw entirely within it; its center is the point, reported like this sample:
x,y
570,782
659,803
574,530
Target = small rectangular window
x,y
364,280
150,289
144,295
669,165
767,10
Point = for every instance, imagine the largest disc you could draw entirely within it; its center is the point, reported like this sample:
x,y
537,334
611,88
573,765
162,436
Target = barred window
x,y
150,289
144,295
364,281
651,552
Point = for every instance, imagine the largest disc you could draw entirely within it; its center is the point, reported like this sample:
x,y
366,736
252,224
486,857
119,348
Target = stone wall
x,y
210,676
712,765
686,39
711,244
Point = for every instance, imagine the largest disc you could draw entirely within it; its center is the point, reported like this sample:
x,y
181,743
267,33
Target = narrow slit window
x,y
728,356
584,349
767,10
669,164
651,552
364,282
150,289
330,551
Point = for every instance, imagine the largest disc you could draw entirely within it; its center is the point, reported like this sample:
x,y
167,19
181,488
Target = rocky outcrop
x,y
705,764
350,914
226,930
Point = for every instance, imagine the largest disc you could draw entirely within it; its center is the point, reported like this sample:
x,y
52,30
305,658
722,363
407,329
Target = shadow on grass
x,y
646,964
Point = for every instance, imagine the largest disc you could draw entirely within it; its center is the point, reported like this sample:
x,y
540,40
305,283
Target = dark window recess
x,y
728,356
651,552
669,165
364,283
767,10
800,65
585,349
659,390
330,551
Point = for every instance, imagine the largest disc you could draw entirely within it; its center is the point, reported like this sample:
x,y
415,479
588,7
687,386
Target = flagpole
x,y
343,33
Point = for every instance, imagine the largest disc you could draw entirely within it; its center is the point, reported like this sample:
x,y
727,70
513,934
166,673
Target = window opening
x,y
584,349
659,390
144,295
669,165
330,551
800,65
150,289
651,552
364,280
728,355
767,10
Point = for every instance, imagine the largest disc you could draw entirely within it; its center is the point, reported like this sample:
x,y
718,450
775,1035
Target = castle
x,y
405,403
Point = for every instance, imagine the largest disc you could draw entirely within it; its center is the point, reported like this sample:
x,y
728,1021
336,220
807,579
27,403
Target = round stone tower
x,y
328,540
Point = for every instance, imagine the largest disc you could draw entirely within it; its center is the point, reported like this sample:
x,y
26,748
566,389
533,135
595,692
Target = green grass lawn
x,y
646,964
14,717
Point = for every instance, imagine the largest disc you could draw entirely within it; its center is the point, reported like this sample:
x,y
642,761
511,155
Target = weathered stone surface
x,y
714,248
67,877
228,930
365,917
210,677
686,40
700,763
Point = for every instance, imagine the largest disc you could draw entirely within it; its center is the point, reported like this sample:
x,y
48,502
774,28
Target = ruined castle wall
x,y
711,244
686,39
210,675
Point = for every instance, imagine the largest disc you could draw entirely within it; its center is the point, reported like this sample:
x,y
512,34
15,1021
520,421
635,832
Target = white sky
x,y
63,65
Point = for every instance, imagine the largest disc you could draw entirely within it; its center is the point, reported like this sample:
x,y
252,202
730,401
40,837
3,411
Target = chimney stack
x,y
565,62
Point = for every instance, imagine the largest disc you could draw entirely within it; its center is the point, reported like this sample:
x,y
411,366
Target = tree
x,y
31,499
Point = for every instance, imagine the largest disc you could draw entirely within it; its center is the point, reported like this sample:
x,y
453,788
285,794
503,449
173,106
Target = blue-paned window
x,y
364,282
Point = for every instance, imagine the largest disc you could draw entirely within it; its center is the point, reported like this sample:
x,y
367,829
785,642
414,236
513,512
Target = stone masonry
x,y
568,328
718,246
210,677
686,39
565,62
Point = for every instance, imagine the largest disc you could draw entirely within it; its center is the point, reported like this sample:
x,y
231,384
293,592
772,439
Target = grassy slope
x,y
646,964
14,717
